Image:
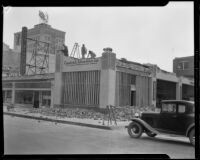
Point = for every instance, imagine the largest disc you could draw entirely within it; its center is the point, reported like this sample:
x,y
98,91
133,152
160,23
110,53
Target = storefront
x,y
29,90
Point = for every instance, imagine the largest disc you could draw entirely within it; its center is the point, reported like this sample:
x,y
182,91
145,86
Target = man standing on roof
x,y
83,51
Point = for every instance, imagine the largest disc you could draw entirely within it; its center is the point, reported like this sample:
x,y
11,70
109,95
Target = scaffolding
x,y
39,61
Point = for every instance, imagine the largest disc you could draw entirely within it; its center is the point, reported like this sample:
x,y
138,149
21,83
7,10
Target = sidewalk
x,y
20,111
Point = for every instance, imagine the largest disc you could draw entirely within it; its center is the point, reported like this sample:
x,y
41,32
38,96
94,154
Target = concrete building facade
x,y
108,81
98,82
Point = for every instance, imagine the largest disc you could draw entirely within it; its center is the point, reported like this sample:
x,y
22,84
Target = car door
x,y
182,120
168,122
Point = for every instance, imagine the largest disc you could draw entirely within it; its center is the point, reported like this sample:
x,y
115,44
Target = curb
x,y
60,121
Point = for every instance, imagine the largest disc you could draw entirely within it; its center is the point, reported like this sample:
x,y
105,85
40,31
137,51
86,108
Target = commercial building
x,y
28,90
98,82
89,82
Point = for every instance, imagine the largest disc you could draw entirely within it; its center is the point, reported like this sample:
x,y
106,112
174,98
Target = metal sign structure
x,y
39,61
43,17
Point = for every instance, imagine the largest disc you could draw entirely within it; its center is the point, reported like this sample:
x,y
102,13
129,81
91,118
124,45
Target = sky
x,y
153,35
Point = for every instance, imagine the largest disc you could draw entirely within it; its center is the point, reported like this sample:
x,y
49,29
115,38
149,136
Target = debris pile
x,y
121,113
70,113
127,112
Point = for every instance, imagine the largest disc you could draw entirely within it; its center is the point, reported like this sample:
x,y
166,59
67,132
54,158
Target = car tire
x,y
192,137
135,130
150,134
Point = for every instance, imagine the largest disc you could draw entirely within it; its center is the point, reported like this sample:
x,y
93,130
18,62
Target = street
x,y
26,136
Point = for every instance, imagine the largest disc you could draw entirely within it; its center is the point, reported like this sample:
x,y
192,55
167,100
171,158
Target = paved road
x,y
26,136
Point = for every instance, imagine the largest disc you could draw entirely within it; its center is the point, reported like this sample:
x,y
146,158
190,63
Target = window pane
x,y
180,66
181,108
170,108
186,65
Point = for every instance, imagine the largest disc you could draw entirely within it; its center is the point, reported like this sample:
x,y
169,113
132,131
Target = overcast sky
x,y
141,34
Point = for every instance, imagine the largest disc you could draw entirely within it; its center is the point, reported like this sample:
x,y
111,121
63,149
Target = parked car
x,y
175,117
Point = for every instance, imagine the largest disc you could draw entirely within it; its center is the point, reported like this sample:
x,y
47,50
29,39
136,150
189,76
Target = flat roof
x,y
30,77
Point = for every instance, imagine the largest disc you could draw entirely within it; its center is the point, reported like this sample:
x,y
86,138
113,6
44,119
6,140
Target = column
x,y
108,78
40,98
179,89
13,93
58,80
52,94
152,91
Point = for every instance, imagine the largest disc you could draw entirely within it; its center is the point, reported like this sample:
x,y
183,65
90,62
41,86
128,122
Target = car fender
x,y
189,128
145,125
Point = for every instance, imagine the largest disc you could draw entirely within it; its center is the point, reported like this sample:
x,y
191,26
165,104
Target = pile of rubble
x,y
69,113
120,113
127,112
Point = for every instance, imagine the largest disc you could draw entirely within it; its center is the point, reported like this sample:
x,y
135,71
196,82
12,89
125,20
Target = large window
x,y
183,65
24,97
46,98
7,96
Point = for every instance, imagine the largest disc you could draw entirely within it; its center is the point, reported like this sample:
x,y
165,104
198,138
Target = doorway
x,y
133,98
36,99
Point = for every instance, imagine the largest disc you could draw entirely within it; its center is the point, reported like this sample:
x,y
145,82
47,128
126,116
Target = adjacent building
x,y
184,66
41,32
10,63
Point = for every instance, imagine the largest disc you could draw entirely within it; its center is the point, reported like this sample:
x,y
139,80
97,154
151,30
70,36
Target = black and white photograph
x,y
99,80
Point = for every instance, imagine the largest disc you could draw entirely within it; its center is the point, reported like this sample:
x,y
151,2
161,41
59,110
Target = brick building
x,y
184,66
41,32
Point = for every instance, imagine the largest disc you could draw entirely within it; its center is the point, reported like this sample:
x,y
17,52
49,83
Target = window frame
x,y
167,112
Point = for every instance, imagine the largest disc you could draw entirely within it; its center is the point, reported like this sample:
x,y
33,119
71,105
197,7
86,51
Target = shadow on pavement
x,y
167,140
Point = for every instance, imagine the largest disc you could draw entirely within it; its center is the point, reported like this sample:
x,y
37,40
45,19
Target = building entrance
x,y
133,98
36,99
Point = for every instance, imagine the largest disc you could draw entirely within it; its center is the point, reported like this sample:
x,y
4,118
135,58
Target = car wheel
x,y
150,134
135,130
192,137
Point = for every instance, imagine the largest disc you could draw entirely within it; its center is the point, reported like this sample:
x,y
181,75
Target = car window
x,y
169,108
181,108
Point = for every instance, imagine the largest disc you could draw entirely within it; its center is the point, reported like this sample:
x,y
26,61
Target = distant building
x,y
5,47
42,32
184,66
10,63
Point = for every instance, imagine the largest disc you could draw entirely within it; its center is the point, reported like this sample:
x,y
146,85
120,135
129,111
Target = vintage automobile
x,y
175,117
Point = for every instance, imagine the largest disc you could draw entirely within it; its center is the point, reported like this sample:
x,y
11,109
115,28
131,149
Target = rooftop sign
x,y
86,61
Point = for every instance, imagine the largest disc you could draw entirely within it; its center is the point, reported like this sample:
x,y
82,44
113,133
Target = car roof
x,y
179,101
